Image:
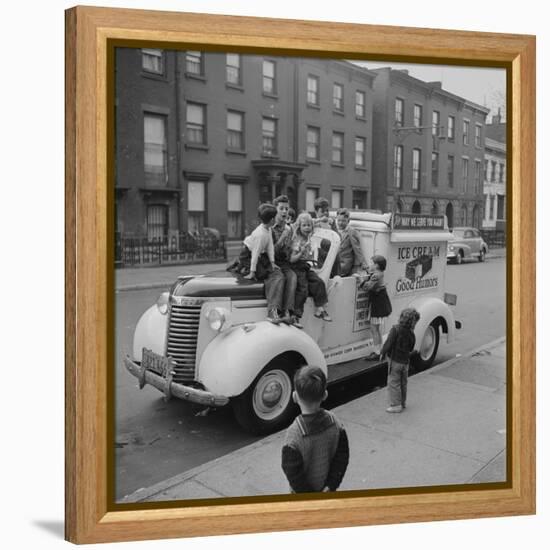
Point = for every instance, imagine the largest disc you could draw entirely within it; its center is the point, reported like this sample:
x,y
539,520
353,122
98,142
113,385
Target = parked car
x,y
466,242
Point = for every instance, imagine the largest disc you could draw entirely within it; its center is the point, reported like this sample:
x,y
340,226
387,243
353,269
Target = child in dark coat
x,y
315,454
398,347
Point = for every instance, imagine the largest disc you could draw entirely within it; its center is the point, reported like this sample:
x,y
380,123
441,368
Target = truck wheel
x,y
428,348
267,405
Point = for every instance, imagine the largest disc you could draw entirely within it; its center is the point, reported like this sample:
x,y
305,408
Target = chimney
x,y
436,84
497,118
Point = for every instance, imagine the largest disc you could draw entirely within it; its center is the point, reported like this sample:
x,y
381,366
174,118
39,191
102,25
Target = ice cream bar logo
x,y
417,268
418,263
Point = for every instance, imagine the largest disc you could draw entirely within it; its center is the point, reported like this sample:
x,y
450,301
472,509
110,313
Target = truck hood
x,y
219,284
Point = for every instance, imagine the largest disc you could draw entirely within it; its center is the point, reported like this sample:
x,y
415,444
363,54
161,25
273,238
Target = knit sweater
x,y
315,454
399,344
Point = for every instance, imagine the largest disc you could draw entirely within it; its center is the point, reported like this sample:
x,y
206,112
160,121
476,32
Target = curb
x,y
147,492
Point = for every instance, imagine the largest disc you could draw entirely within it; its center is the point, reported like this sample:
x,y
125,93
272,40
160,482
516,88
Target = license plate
x,y
154,362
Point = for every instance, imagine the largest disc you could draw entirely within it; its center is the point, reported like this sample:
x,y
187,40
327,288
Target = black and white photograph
x,y
310,275
137,174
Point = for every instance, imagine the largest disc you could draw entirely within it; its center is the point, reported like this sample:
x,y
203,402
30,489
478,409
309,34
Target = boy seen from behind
x,y
315,454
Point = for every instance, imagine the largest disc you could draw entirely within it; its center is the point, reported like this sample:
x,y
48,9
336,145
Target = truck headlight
x,y
162,302
451,247
219,318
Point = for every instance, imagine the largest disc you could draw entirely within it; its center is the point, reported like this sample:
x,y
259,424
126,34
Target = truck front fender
x,y
231,361
150,333
431,309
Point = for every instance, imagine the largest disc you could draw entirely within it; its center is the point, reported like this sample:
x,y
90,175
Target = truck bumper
x,y
171,388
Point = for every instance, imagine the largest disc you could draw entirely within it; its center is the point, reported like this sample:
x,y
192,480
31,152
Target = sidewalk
x,y
452,432
139,278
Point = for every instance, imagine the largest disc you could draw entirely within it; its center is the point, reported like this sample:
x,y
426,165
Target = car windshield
x,y
458,233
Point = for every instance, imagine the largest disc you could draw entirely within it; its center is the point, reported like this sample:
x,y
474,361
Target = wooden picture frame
x,y
90,32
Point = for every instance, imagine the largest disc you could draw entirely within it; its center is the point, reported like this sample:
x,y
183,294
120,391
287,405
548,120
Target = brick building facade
x,y
428,150
494,185
202,138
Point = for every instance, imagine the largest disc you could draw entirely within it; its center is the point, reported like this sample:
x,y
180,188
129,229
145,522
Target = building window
x,y
500,207
399,111
450,170
152,61
359,199
451,128
269,136
338,97
235,130
313,90
416,169
157,222
338,147
269,77
478,136
417,116
464,213
416,208
360,149
195,123
435,169
501,174
196,206
233,68
436,123
465,132
194,63
492,207
155,149
313,137
360,107
486,170
398,166
493,171
312,193
337,199
465,164
234,210
477,177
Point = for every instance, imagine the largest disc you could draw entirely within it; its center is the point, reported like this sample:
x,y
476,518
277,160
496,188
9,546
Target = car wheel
x,y
428,348
267,405
459,257
481,256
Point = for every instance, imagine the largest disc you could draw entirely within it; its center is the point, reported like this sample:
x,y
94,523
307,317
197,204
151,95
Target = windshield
x,y
458,233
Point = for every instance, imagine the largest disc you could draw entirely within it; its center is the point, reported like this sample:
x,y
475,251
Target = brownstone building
x,y
428,149
202,138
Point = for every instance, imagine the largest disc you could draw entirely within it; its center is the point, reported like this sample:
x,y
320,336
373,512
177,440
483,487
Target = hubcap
x,y
428,343
272,394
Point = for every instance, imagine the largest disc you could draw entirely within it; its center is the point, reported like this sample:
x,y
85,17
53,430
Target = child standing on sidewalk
x,y
398,347
315,454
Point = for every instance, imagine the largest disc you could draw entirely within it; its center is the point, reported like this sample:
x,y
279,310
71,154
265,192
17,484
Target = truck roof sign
x,y
422,222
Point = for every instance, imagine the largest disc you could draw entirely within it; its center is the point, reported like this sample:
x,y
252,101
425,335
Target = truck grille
x,y
182,340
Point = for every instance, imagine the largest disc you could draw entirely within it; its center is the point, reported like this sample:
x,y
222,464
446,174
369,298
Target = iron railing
x,y
494,238
176,249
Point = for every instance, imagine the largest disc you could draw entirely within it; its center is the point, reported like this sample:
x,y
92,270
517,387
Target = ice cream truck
x,y
208,340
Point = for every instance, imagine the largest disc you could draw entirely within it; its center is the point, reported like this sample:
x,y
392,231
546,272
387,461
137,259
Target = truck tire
x,y
427,350
266,406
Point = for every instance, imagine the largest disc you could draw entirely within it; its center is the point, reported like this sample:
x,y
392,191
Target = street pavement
x,y
452,432
137,278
